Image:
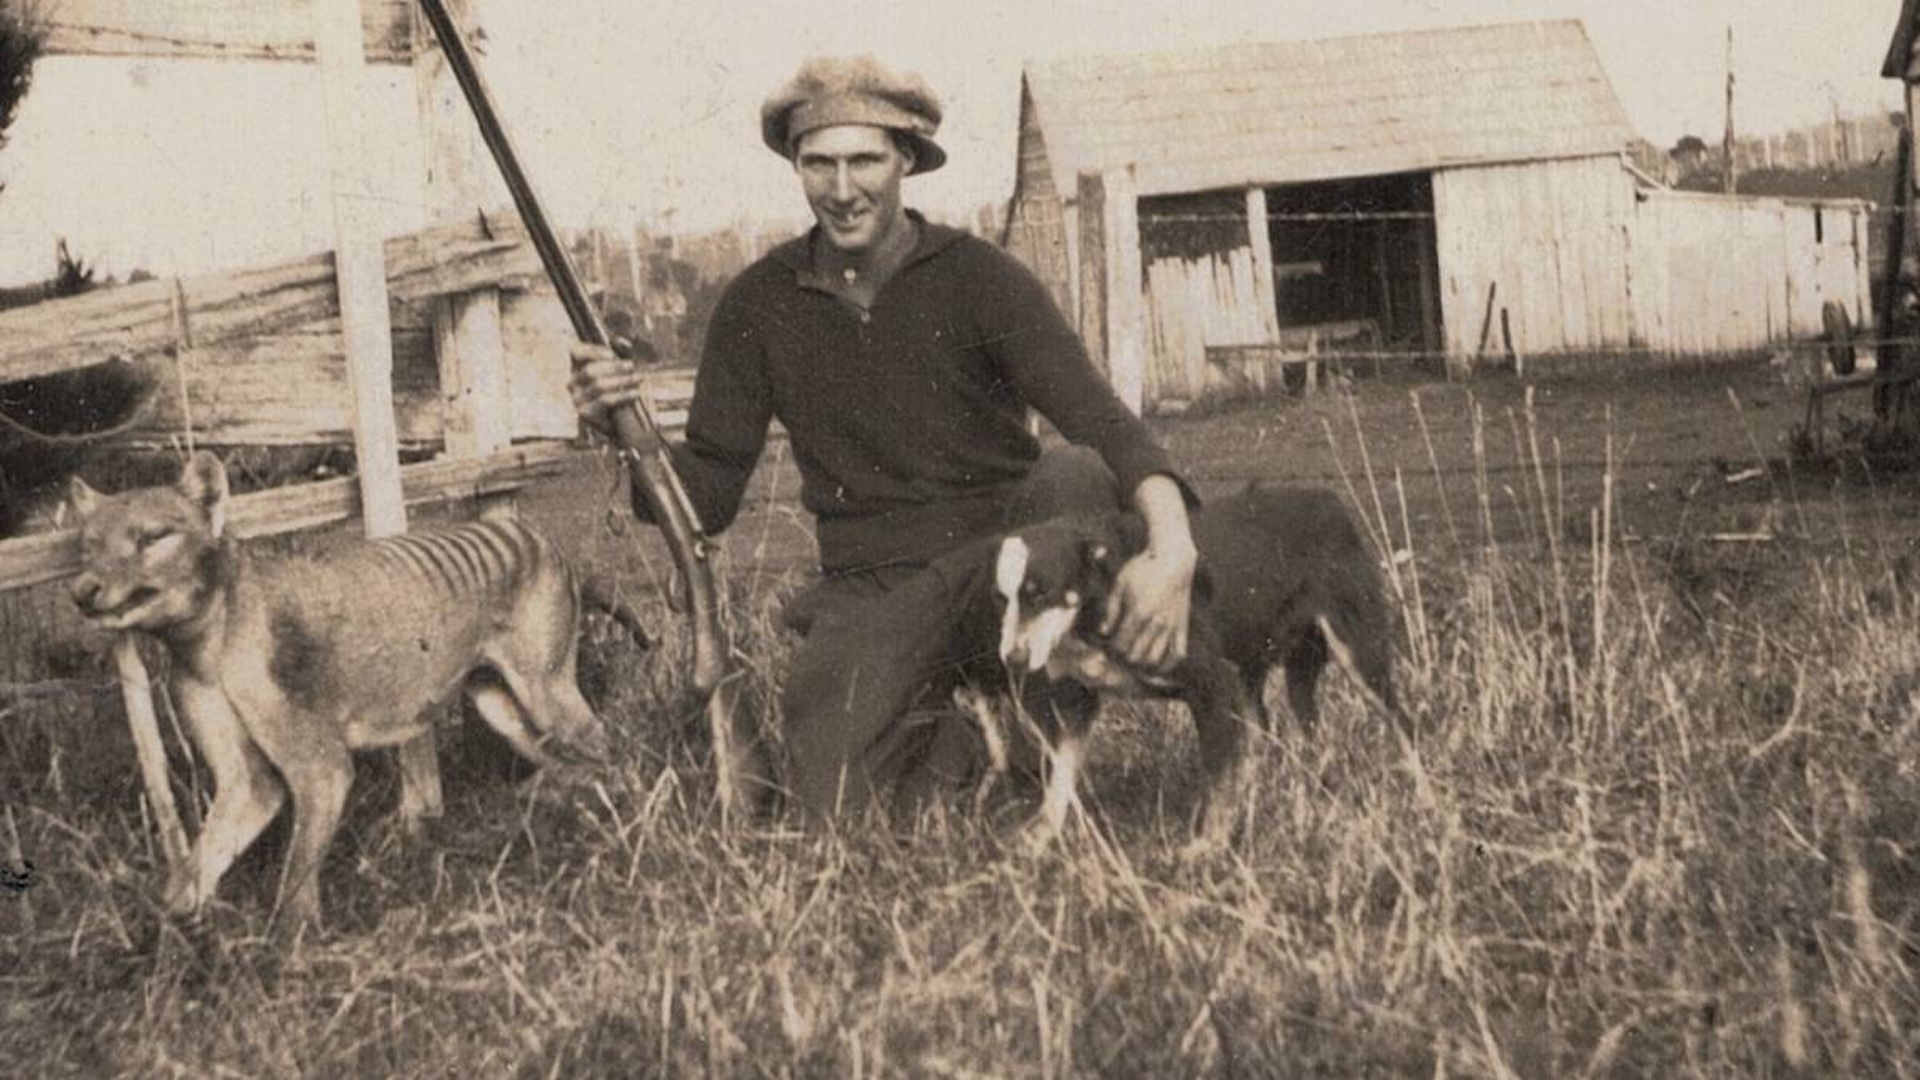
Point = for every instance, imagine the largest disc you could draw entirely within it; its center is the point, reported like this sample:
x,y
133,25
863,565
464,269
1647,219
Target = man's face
x,y
852,175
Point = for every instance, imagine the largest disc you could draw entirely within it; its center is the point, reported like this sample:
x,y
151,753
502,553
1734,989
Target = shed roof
x,y
1296,111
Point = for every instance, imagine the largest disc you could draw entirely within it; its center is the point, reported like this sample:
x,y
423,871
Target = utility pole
x,y
1729,171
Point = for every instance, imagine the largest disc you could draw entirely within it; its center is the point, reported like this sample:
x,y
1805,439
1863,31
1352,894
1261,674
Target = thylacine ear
x,y
82,498
204,482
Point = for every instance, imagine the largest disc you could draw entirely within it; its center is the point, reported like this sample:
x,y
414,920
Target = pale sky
x,y
648,113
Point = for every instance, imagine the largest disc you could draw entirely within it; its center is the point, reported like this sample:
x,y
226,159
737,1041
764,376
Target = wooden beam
x,y
216,29
1090,267
1126,306
468,341
1260,238
130,321
44,557
290,388
360,265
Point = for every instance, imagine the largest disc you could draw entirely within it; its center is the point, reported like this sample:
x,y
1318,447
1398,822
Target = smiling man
x,y
902,358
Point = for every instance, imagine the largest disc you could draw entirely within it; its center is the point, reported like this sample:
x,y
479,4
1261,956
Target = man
x,y
901,357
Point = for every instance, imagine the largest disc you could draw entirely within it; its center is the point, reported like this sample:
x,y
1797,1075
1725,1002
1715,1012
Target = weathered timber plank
x,y
290,388
134,320
219,29
44,557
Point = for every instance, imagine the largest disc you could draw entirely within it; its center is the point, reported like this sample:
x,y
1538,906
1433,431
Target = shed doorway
x,y
1353,263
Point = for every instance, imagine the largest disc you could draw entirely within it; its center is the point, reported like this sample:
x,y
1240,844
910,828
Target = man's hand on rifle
x,y
602,382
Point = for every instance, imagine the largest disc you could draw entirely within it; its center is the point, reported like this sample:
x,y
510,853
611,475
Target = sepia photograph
x,y
1102,538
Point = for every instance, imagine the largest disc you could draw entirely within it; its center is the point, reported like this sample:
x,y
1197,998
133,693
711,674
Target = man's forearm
x,y
1161,504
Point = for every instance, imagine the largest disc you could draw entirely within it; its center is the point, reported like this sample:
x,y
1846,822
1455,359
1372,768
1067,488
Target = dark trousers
x,y
867,709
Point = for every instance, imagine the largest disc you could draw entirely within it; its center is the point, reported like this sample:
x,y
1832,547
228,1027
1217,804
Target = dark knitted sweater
x,y
907,422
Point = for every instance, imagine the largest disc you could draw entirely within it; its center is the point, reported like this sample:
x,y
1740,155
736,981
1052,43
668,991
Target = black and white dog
x,y
1284,579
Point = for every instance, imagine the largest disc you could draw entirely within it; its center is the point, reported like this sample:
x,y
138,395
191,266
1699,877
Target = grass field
x,y
1662,823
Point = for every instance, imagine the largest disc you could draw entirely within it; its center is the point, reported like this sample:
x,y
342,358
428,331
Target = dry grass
x,y
1661,824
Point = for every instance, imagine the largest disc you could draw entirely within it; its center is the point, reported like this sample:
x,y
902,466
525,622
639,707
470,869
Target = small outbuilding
x,y
1442,193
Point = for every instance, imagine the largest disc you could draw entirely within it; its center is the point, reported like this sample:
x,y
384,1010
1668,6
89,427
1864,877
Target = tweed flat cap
x,y
829,91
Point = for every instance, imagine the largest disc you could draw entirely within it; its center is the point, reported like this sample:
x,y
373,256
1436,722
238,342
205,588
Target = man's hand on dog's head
x,y
1146,616
601,383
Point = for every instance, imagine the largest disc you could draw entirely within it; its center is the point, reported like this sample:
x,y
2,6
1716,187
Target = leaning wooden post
x,y
360,269
469,344
136,689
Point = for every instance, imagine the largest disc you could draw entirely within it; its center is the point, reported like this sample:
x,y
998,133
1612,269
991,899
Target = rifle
x,y
638,436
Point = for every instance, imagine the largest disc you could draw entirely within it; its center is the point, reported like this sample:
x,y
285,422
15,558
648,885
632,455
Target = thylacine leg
x,y
318,780
247,796
420,794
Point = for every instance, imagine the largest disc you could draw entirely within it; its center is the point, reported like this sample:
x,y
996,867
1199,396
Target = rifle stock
x,y
635,429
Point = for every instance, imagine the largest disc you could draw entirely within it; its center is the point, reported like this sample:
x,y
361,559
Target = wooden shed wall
x,y
1039,226
1711,274
1203,288
1549,238
1581,258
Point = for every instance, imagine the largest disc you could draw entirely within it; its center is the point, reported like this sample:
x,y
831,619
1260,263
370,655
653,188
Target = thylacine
x,y
284,666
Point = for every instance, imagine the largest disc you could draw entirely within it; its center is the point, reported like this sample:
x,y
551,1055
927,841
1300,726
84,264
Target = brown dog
x,y
1284,579
283,667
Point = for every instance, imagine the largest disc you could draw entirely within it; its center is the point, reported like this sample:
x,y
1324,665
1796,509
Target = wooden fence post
x,y
360,265
469,342
365,324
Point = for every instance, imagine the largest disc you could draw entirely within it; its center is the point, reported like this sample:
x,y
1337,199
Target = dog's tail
x,y
1359,637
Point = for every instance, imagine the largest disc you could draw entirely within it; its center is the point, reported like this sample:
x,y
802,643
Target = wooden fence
x,y
447,338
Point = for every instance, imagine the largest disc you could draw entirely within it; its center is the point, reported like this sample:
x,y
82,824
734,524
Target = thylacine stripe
x,y
514,536
496,557
466,548
442,573
521,542
409,551
458,580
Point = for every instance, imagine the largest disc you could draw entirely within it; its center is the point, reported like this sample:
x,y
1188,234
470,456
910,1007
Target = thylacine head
x,y
152,559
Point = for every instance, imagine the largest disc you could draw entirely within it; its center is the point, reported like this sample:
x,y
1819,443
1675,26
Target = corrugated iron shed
x,y
1291,112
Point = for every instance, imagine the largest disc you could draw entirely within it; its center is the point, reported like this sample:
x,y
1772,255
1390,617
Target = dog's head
x,y
1052,580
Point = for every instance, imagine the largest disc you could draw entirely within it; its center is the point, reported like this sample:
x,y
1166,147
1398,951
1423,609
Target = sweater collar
x,y
797,254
